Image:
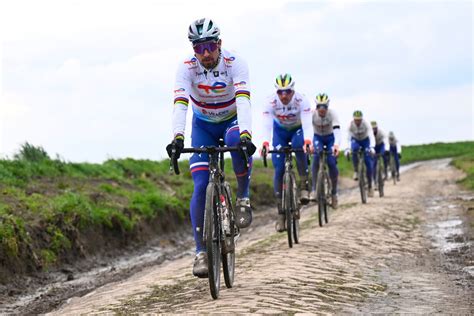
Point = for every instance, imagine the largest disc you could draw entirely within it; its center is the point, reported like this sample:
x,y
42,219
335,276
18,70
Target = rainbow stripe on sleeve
x,y
181,100
245,134
242,94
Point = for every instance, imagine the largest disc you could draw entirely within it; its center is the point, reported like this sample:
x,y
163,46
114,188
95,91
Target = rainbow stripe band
x,y
218,105
242,94
181,100
245,134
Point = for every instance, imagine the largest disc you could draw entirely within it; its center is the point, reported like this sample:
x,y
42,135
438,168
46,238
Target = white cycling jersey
x,y
296,114
380,138
327,125
216,95
394,142
361,132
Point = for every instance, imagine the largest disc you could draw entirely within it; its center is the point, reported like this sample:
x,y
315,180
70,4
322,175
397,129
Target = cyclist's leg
x,y
332,163
355,148
280,138
368,161
378,150
393,151
199,165
385,160
318,146
232,138
297,141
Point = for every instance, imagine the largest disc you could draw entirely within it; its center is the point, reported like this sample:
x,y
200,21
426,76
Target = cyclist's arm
x,y
267,121
371,134
182,89
399,147
336,127
307,120
242,96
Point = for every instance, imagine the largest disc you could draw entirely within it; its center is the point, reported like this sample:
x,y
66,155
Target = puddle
x,y
449,230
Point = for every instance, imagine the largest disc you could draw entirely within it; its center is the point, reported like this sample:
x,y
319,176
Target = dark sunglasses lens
x,y
202,47
280,92
321,106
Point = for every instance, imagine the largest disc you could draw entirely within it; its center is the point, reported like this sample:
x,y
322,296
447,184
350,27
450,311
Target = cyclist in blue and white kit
x,y
361,135
216,83
396,151
288,114
381,147
327,131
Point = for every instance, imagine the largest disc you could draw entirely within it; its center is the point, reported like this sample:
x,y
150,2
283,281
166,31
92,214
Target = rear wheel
x,y
287,205
212,235
327,193
362,185
321,198
228,254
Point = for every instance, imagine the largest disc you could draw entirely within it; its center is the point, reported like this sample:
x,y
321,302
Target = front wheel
x,y
328,194
321,197
212,235
380,180
362,185
295,208
287,207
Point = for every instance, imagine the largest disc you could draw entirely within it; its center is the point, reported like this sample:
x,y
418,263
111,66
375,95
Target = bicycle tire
x,y
228,258
212,232
321,198
362,187
294,209
327,194
287,206
392,169
380,181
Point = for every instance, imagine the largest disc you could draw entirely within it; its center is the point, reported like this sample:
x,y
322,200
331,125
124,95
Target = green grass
x,y
466,164
56,201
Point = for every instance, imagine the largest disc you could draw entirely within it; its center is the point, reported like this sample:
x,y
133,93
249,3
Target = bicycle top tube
x,y
285,149
209,149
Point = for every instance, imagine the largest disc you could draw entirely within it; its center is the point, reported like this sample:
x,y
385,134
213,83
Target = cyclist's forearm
x,y
337,136
179,118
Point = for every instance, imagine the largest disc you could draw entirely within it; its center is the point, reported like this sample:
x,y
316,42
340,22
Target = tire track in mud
x,y
367,254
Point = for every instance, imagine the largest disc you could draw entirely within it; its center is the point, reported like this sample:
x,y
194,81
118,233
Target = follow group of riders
x,y
216,83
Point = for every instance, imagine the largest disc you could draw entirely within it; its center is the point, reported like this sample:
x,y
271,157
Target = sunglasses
x,y
321,106
287,91
200,48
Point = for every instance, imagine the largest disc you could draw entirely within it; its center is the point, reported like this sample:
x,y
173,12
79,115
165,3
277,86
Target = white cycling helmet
x,y
203,30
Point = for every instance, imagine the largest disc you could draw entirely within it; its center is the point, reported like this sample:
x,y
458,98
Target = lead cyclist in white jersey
x,y
216,84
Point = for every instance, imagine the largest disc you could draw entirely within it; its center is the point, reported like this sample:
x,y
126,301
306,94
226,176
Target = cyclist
x,y
327,131
216,83
360,135
381,145
396,151
288,114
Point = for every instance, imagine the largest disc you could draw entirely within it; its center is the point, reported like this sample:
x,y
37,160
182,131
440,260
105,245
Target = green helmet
x,y
357,114
374,124
284,82
322,98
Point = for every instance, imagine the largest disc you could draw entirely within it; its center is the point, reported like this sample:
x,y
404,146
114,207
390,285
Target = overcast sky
x,y
91,80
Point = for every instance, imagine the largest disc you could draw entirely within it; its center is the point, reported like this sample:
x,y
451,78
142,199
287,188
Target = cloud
x,y
101,84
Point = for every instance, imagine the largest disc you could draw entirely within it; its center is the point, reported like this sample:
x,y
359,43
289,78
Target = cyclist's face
x,y
208,58
322,110
375,130
358,121
285,96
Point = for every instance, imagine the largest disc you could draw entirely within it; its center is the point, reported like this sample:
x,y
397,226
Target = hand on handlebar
x,y
335,150
308,147
265,149
175,147
247,145
372,151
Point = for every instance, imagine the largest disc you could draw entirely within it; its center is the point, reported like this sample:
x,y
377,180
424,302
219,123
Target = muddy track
x,y
385,256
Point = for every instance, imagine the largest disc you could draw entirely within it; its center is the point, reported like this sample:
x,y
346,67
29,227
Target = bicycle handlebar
x,y
207,150
281,150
